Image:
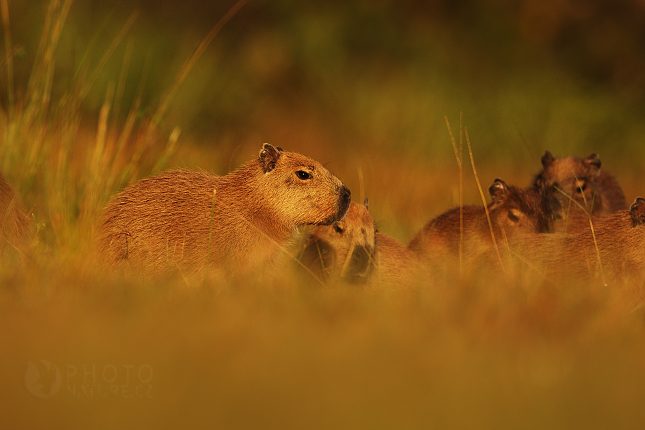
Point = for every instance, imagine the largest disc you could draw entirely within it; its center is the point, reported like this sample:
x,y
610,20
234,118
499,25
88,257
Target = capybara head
x,y
300,188
572,177
518,211
344,249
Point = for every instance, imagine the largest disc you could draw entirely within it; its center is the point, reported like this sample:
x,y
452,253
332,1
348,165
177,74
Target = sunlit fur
x,y
14,225
236,223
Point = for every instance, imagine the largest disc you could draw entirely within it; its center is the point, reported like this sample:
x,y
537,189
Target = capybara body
x,y
611,252
14,225
512,212
574,186
353,251
235,224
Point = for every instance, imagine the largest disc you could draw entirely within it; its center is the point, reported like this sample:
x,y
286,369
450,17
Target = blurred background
x,y
366,86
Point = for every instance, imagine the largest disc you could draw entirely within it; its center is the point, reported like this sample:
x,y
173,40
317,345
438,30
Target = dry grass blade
x,y
593,231
188,65
4,5
108,53
481,193
459,155
41,80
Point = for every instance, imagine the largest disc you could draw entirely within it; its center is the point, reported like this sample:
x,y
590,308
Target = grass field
x,y
84,348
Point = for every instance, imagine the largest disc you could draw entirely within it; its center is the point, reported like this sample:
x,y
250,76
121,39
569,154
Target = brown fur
x,y
513,212
353,251
573,186
14,225
236,223
615,255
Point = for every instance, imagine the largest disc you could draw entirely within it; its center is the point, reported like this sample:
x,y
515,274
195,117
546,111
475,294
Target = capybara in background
x,y
235,224
353,251
14,225
513,211
612,252
595,191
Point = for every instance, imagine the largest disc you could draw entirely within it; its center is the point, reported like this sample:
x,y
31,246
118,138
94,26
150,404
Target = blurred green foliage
x,y
528,75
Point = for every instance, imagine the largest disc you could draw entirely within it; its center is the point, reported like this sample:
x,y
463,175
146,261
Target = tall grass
x,y
66,167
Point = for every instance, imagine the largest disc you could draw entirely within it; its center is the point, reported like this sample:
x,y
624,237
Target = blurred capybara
x,y
612,251
14,225
574,186
353,251
235,224
513,211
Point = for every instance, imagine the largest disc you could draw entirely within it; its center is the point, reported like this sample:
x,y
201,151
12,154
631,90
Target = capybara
x,y
14,225
353,251
573,185
611,252
513,211
344,250
234,224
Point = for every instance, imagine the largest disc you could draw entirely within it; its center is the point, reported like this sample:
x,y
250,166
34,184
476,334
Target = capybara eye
x,y
512,216
338,229
582,188
301,174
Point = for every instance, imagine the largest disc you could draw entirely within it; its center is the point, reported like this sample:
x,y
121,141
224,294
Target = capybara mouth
x,y
344,200
360,265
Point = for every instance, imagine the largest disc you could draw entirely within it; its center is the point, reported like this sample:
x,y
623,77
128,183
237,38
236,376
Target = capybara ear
x,y
366,203
593,163
547,159
269,156
637,211
498,191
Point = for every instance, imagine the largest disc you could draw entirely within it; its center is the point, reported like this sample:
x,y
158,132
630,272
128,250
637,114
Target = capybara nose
x,y
344,200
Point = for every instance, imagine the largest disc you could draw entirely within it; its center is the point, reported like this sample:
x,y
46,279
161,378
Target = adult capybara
x,y
577,185
611,251
513,211
234,224
353,251
14,225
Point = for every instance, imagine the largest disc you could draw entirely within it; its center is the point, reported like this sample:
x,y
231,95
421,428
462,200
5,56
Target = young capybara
x,y
14,225
512,212
353,251
611,252
574,186
234,224
344,250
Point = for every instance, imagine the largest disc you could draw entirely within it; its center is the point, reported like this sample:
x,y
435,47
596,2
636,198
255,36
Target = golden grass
x,y
464,352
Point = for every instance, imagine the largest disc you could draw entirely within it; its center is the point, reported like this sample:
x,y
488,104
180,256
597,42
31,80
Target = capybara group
x,y
235,224
512,212
570,220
